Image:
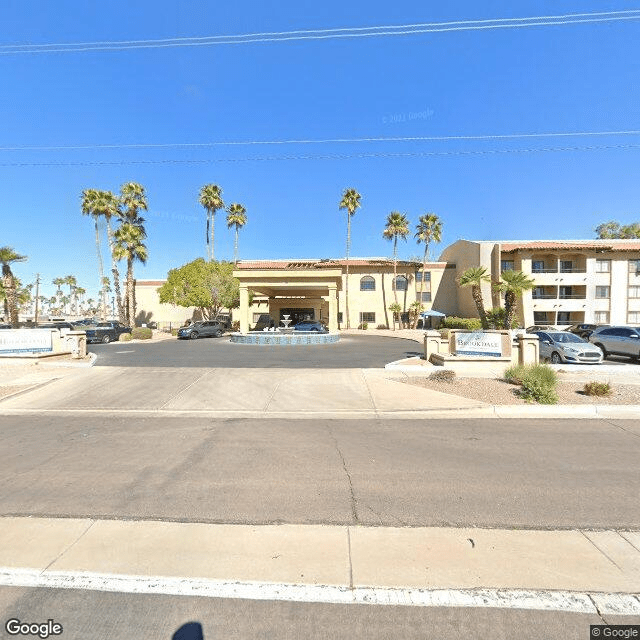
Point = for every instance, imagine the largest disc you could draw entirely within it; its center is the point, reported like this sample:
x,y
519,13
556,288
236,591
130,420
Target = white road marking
x,y
131,351
542,600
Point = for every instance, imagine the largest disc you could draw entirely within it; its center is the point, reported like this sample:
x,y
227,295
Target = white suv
x,y
622,341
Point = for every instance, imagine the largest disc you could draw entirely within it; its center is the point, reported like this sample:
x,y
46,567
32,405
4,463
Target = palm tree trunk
x,y
101,269
212,235
235,249
346,282
476,292
11,305
116,275
424,268
395,269
131,302
510,302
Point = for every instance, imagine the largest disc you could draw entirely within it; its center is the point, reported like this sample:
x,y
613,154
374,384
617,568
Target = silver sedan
x,y
563,346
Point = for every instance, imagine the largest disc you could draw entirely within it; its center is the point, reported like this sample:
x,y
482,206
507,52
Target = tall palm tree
x,y
79,298
428,229
133,199
72,283
129,246
98,204
474,277
211,199
64,301
351,202
58,282
7,257
397,227
236,217
512,284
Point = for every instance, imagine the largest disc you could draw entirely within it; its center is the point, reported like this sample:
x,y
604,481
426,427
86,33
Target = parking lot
x,y
351,352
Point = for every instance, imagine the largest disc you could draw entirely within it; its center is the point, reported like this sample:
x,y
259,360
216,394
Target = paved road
x,y
484,472
350,352
116,616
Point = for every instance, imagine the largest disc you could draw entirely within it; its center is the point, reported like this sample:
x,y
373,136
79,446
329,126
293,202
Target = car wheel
x,y
106,339
555,358
194,335
605,353
218,334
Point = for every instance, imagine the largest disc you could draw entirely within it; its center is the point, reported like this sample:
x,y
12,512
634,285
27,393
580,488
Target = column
x,y
244,310
333,309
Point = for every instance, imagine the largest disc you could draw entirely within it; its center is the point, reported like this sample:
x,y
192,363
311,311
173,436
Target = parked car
x,y
622,341
204,329
564,346
56,325
540,327
311,325
4,325
584,330
106,332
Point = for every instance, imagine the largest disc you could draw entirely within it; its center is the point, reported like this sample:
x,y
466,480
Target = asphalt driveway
x,y
352,352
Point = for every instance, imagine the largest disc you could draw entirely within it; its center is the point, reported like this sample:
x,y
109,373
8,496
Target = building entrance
x,y
298,315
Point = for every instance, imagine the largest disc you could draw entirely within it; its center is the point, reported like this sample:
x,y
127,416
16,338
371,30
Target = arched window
x,y
367,283
401,283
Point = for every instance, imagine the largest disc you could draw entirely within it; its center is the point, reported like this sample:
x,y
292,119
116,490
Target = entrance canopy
x,y
432,313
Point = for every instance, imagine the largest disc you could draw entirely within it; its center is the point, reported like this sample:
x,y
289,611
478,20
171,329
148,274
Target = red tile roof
x,y
328,263
610,245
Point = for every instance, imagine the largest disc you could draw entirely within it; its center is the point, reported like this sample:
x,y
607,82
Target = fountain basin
x,y
284,339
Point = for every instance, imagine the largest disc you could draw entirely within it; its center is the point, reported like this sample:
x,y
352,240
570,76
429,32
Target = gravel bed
x,y
501,392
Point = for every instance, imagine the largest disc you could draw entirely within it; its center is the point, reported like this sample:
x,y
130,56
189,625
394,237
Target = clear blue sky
x,y
502,81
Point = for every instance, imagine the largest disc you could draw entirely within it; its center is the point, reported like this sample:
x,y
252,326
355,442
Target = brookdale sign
x,y
478,344
25,341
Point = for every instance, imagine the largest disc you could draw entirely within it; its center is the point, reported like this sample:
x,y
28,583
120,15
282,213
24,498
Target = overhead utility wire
x,y
237,143
324,34
345,156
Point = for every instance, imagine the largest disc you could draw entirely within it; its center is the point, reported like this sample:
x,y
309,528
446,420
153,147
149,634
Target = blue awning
x,y
433,313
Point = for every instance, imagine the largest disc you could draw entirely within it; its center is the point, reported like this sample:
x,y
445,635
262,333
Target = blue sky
x,y
502,81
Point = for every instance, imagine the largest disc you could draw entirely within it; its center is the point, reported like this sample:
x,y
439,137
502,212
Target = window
x,y
603,292
540,317
563,317
426,296
633,317
566,292
367,283
634,266
427,276
537,266
400,283
601,317
603,266
367,316
506,265
537,293
634,292
339,317
566,266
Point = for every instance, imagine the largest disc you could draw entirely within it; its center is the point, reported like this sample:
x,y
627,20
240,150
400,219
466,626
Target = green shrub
x,y
382,326
538,382
534,390
124,337
597,389
142,333
471,324
446,375
495,319
174,332
364,325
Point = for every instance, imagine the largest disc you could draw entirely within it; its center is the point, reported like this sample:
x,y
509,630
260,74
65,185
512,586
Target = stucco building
x,y
575,281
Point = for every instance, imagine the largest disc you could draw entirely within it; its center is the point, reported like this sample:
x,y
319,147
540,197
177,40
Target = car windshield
x,y
563,336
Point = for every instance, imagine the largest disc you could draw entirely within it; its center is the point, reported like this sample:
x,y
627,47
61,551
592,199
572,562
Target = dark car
x,y
106,332
56,325
311,325
584,330
4,325
204,329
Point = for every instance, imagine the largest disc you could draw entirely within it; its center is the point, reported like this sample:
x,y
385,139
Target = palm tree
x,y
64,301
474,277
98,204
211,199
7,257
351,202
133,199
237,217
129,245
512,284
79,292
429,228
397,227
72,283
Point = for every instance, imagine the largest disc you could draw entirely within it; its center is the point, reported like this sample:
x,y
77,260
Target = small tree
x,y
395,309
474,277
513,284
208,286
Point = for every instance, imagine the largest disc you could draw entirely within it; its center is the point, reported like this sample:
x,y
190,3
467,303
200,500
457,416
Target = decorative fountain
x,y
284,335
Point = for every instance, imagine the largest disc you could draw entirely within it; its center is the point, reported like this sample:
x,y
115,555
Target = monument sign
x,y
478,343
25,341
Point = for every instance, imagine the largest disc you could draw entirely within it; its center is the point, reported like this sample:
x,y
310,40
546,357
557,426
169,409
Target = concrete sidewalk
x,y
552,569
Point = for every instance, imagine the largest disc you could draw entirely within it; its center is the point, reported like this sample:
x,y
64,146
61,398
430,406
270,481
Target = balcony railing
x,y
557,270
545,270
574,296
544,296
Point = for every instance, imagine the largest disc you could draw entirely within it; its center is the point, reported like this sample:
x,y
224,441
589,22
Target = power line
x,y
324,34
336,156
232,143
